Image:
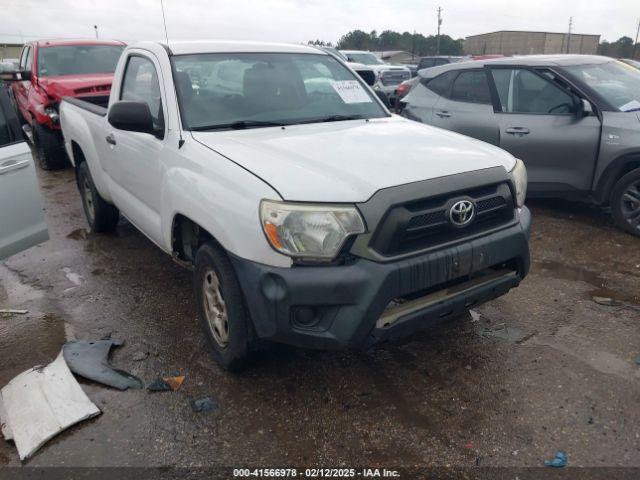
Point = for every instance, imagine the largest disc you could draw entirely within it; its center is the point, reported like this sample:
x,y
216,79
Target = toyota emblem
x,y
462,212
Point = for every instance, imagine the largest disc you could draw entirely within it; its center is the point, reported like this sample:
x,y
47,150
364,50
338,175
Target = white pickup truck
x,y
309,214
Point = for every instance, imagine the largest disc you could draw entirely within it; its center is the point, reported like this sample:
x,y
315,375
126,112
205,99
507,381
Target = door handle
x,y
111,140
11,165
443,114
517,130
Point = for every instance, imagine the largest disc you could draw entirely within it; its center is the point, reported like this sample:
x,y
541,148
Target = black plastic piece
x,y
90,359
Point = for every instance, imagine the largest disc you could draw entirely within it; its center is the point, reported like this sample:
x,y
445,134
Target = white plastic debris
x,y
40,403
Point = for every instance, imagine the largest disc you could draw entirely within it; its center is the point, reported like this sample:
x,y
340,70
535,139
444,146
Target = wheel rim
x,y
215,309
87,198
630,204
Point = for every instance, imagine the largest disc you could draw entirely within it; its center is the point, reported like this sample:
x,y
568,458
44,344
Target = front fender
x,y
222,198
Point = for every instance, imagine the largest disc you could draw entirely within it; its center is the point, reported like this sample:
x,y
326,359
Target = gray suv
x,y
573,119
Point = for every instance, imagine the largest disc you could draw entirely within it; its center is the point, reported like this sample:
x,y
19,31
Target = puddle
x,y
572,273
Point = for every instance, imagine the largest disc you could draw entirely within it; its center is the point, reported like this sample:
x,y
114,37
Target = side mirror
x,y
25,75
131,116
383,97
14,75
586,109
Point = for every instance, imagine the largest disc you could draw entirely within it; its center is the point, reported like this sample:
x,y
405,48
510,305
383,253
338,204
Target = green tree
x,y
409,42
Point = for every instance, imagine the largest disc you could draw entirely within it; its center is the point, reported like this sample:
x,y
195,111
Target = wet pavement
x,y
541,369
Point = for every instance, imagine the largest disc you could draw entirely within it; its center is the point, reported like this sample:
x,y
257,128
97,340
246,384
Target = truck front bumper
x,y
333,307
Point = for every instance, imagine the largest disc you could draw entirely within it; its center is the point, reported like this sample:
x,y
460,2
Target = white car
x,y
388,77
309,214
21,218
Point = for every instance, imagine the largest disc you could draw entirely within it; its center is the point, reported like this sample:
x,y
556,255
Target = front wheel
x,y
101,216
48,148
625,202
220,306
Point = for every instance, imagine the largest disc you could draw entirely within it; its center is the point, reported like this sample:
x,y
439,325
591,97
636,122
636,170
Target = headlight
x,y
309,231
519,174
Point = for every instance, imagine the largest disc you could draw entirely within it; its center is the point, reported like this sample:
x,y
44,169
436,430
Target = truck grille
x,y
422,224
394,77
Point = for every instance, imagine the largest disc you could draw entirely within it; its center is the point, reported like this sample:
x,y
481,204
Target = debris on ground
x,y
140,356
475,316
502,332
90,359
13,311
40,403
606,301
560,460
165,384
204,404
612,302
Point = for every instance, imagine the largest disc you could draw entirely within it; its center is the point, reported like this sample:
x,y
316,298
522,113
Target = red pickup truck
x,y
50,70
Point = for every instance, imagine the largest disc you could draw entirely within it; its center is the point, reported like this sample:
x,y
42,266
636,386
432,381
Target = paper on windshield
x,y
631,106
350,91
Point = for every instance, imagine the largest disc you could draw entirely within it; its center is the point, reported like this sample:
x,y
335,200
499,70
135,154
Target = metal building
x,y
10,50
529,43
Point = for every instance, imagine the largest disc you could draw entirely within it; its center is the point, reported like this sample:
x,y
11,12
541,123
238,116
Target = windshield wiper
x,y
239,125
332,118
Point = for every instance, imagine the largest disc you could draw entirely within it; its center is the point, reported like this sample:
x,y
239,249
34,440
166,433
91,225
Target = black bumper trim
x,y
347,300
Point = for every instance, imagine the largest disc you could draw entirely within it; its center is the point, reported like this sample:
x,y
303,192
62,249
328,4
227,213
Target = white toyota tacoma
x,y
309,214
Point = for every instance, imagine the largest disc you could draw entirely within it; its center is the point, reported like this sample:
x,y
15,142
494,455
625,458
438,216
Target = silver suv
x,y
573,119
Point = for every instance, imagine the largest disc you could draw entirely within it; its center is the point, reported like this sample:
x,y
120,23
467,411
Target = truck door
x,y
136,166
468,108
540,124
21,218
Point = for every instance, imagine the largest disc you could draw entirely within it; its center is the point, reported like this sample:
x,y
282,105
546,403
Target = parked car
x,y
21,214
388,77
49,70
367,73
435,61
309,214
573,119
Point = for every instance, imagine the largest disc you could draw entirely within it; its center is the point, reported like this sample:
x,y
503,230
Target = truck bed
x,y
95,104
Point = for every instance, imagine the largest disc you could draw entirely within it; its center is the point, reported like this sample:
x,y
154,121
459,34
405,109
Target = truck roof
x,y
235,46
74,41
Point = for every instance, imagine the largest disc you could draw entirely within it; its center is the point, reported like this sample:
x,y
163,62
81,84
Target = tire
x,y
625,202
221,308
101,216
48,147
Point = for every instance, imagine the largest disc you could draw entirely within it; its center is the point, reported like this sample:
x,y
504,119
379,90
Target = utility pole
x,y
95,27
633,54
438,37
569,35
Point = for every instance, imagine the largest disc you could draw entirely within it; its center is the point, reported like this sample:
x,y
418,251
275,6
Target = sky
x,y
302,20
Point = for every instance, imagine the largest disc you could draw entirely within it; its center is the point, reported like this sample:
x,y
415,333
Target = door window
x,y
426,63
441,85
471,86
140,84
28,64
524,91
23,57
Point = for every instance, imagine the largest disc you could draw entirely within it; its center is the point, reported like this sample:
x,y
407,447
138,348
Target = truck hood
x,y
351,160
76,85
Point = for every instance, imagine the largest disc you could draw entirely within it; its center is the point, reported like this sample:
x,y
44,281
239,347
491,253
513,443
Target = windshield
x,y
77,59
615,82
241,90
364,58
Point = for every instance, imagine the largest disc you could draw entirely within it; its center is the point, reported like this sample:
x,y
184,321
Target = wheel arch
x,y
614,171
187,236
